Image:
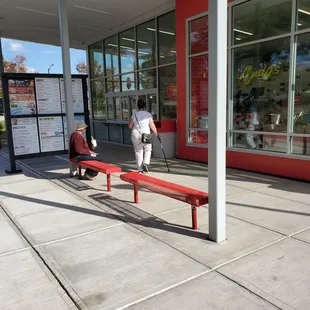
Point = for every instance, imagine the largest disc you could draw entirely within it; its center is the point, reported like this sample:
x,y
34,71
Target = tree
x,y
97,70
14,65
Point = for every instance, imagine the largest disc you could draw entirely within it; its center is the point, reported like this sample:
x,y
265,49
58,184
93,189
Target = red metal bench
x,y
191,196
99,166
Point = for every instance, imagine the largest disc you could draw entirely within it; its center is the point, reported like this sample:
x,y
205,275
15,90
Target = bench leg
x,y
109,182
136,197
194,218
80,171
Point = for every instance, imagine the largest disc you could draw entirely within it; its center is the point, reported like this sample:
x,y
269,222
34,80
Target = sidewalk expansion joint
x,y
209,270
41,258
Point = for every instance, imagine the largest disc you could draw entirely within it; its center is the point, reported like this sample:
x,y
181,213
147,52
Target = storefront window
x,y
198,136
301,146
301,119
113,84
98,99
198,35
168,92
127,50
260,88
147,79
166,38
146,41
258,19
111,55
128,82
303,14
96,60
199,92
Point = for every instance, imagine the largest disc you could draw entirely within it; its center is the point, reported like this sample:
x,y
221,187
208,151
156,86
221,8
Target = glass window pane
x,y
166,38
258,19
301,120
199,92
110,107
198,136
128,82
133,104
260,86
111,55
303,14
152,105
262,142
146,44
117,108
113,84
147,79
98,99
167,92
125,108
301,145
198,35
127,50
96,60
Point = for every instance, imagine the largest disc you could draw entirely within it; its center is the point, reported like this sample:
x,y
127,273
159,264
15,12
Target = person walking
x,y
142,124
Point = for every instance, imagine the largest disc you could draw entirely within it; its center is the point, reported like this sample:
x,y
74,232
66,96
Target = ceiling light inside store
x,y
245,32
144,53
151,29
174,52
162,57
133,40
126,47
90,9
35,11
304,11
299,24
128,39
131,50
167,32
238,39
114,45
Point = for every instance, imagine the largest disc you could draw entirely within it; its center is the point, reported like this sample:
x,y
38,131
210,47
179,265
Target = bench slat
x,y
98,166
178,192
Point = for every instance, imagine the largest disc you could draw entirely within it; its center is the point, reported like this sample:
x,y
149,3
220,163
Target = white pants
x,y
142,151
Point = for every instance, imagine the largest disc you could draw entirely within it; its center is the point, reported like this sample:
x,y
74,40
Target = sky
x,y
39,57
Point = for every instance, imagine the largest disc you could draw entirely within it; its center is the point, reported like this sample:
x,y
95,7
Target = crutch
x,y
162,148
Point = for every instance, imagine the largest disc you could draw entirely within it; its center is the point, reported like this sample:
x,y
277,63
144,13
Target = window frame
x,y
289,134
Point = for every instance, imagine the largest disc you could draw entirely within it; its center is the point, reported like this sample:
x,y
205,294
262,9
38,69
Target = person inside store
x,y
79,149
142,124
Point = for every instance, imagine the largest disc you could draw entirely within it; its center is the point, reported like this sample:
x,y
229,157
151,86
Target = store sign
x,y
249,74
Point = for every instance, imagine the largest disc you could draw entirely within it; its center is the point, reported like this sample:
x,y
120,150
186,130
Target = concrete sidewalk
x,y
71,245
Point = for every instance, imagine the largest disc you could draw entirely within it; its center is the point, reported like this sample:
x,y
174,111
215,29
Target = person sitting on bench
x,y
79,149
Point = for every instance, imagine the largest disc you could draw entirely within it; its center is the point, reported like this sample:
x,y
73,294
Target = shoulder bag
x,y
146,137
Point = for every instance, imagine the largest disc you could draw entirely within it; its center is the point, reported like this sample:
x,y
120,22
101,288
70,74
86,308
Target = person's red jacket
x,y
78,145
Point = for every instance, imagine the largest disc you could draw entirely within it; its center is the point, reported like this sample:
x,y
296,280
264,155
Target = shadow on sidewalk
x,y
130,215
268,209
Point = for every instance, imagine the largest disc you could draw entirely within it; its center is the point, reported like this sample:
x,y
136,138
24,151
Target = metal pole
x,y
1,59
217,119
65,50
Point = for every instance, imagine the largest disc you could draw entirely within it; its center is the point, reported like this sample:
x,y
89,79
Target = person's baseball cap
x,y
80,125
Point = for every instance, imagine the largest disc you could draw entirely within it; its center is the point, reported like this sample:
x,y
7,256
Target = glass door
x,y
151,103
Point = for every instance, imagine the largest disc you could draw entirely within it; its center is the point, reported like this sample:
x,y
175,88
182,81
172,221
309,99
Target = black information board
x,y
35,115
